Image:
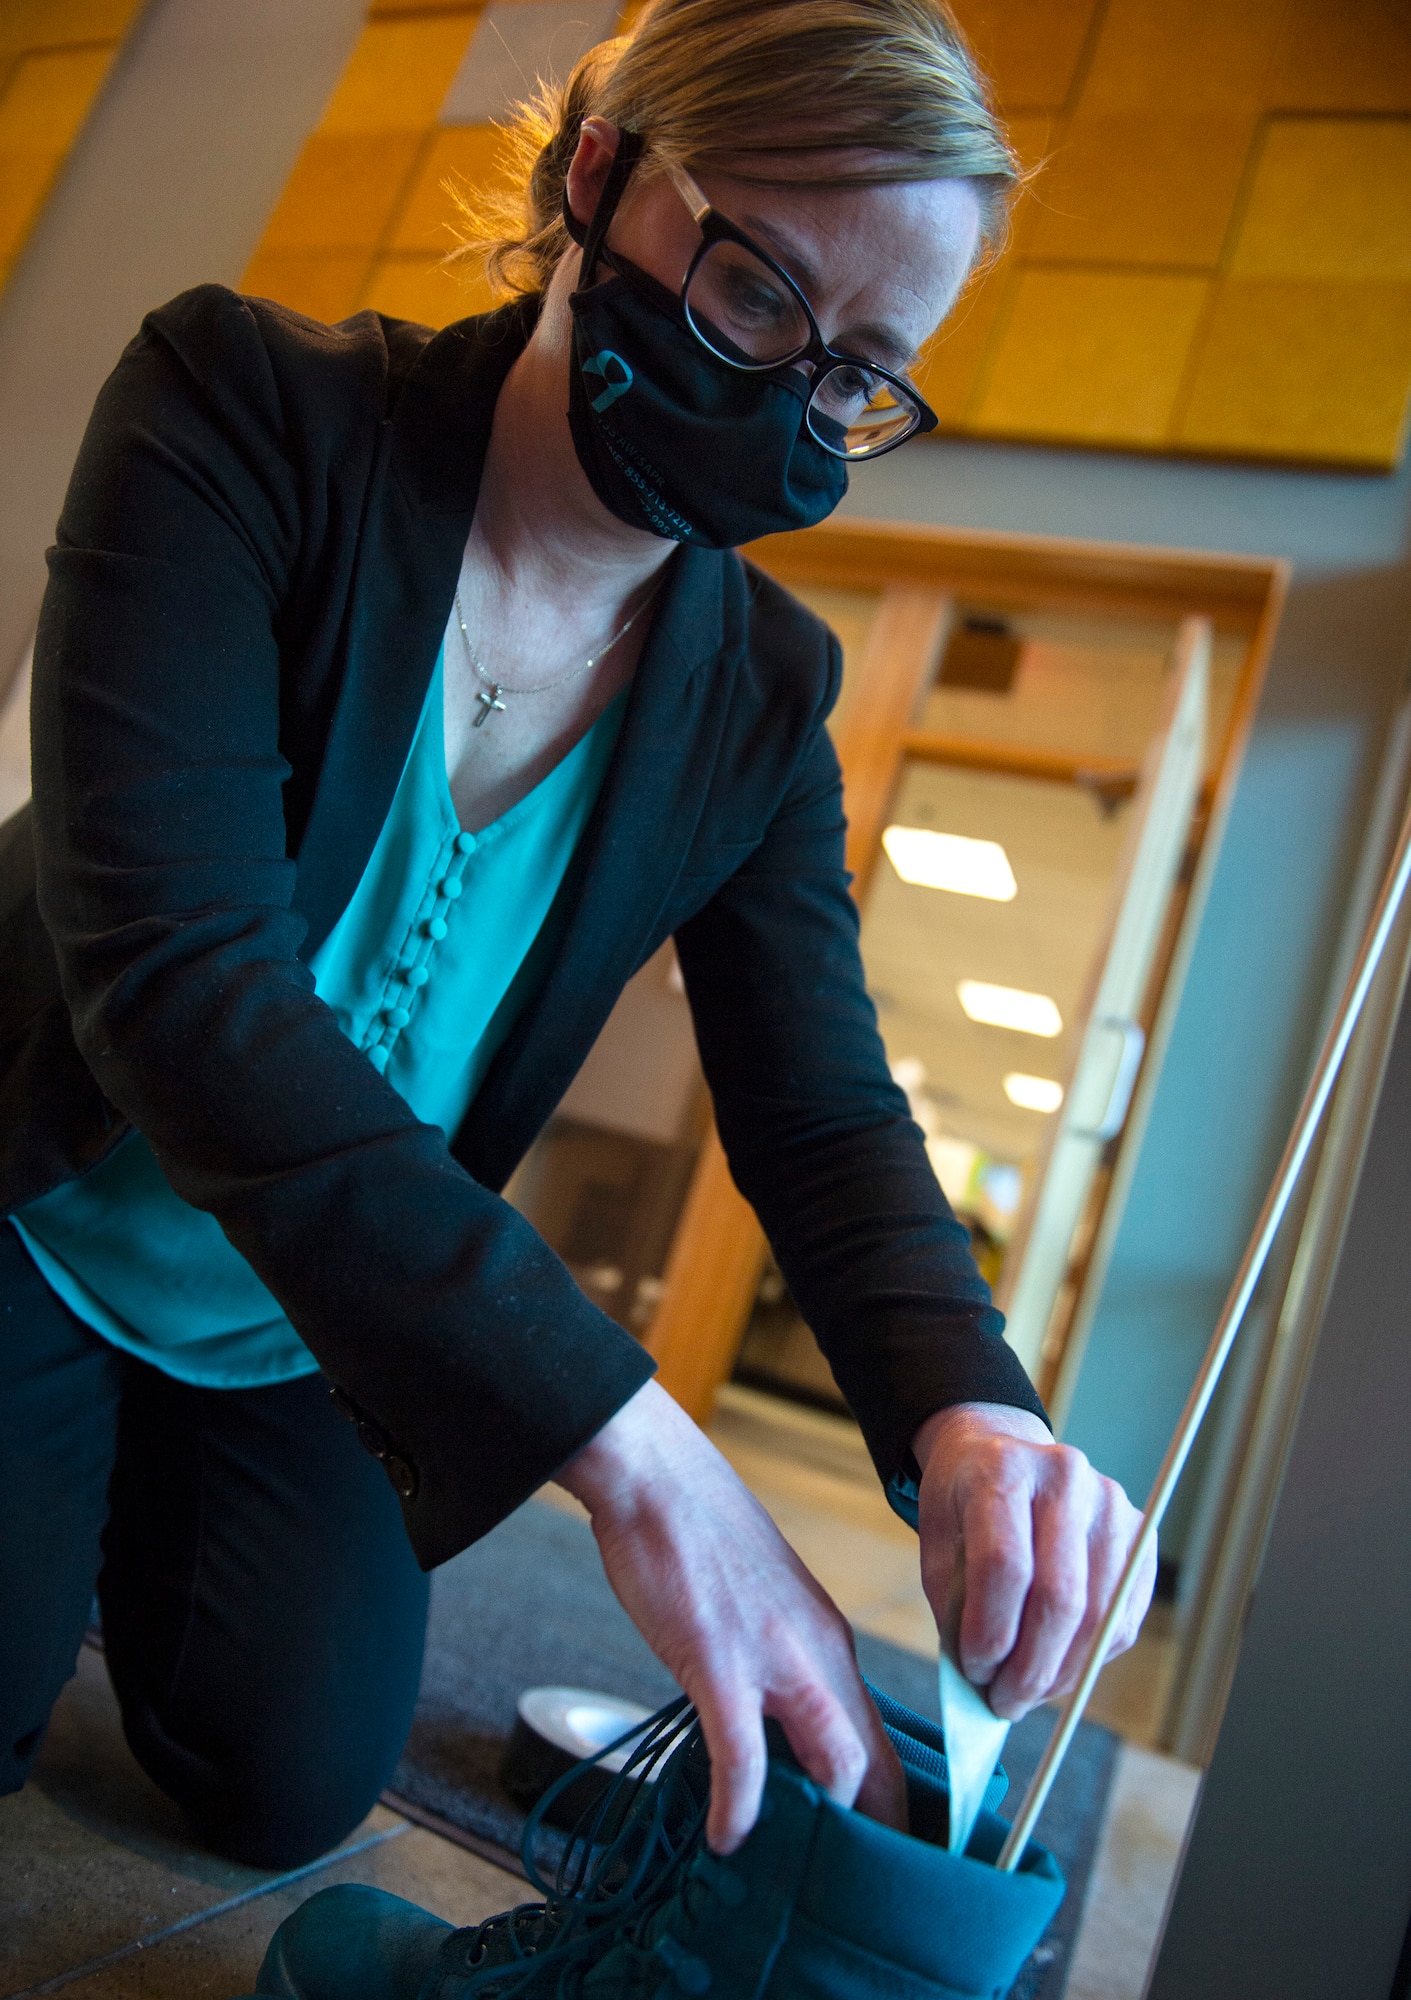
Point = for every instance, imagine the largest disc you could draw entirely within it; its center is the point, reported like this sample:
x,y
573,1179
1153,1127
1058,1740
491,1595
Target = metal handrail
x,y
1227,1327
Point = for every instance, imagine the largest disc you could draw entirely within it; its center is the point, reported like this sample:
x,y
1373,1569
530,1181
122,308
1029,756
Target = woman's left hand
x,y
1044,1538
724,1602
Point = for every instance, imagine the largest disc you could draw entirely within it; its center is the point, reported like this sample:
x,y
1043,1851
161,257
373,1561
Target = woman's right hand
x,y
727,1606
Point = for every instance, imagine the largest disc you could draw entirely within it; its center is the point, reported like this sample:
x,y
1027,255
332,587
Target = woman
x,y
396,696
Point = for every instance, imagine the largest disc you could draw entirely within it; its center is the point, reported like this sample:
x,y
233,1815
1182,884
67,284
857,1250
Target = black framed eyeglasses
x,y
745,308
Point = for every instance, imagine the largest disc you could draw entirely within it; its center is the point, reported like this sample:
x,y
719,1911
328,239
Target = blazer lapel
x,y
421,498
628,860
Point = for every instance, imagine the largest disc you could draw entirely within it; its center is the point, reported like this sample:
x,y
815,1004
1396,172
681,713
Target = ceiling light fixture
x,y
951,861
1008,1007
1033,1093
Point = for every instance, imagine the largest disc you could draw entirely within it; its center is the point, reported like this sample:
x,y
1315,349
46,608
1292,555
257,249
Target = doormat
x,y
529,1606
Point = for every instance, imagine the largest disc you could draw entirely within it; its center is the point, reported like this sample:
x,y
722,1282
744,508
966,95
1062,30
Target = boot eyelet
x,y
691,1974
730,1887
724,1883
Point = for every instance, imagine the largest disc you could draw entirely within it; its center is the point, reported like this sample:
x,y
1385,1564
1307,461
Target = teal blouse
x,y
445,941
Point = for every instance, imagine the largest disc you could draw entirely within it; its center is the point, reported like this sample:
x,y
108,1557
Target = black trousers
x,y
263,1613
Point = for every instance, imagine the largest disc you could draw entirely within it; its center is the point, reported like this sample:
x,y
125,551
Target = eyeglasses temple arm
x,y
689,192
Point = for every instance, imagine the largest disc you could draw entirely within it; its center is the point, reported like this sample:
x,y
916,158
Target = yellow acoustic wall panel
x,y
949,369
399,73
411,279
1307,352
1343,55
1211,260
421,288
1304,371
1227,148
325,284
1031,48
1142,187
467,154
344,191
326,244
1090,357
367,219
1202,56
319,246
54,55
1329,198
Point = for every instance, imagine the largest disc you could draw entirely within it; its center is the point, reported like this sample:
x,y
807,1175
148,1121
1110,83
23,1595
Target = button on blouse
x,y
430,964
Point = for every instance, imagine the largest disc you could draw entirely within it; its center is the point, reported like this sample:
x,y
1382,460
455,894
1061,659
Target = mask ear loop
x,y
630,148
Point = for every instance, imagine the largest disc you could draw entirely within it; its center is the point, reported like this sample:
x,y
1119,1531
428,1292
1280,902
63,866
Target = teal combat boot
x,y
819,1903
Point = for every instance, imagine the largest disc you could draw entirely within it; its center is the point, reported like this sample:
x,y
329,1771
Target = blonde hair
x,y
704,81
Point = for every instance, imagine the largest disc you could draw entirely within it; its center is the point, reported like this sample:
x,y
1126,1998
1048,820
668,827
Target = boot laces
x,y
622,1869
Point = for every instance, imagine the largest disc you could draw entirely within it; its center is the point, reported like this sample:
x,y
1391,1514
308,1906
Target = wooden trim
x,y
1055,1347
1193,639
708,1287
1212,816
719,1249
1109,777
1250,688
1234,592
903,647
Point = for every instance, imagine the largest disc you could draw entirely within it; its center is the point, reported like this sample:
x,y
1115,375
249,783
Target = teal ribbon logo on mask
x,y
616,377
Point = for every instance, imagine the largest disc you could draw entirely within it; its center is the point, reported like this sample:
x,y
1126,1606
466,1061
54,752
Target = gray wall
x,y
170,183
1296,1880
1257,983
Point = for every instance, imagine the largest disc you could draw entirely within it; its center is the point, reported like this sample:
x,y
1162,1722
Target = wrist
x,y
976,1420
629,1454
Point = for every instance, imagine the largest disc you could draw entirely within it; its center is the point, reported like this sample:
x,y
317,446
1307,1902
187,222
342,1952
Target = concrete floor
x,y
103,1896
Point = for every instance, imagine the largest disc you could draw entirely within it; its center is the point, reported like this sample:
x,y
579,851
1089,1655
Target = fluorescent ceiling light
x,y
1033,1093
951,861
1007,1007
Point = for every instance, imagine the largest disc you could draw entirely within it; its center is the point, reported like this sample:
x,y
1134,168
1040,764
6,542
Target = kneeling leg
x,y
263,1612
59,1392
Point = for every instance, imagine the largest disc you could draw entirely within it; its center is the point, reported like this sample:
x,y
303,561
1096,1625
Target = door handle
x,y
1119,1096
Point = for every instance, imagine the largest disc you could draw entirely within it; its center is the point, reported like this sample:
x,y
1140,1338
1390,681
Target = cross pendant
x,y
489,702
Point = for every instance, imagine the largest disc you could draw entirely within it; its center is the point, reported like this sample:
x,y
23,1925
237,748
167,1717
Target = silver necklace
x,y
489,696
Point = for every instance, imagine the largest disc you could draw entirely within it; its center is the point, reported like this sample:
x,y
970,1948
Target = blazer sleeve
x,y
821,1143
475,1363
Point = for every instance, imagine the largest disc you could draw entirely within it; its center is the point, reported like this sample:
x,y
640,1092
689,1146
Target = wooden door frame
x,y
718,1252
1192,638
717,1255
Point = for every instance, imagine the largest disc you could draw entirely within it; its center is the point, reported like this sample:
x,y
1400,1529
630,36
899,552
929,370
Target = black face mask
x,y
671,438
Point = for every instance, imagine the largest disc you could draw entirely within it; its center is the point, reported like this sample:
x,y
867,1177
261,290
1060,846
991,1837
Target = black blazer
x,y
253,570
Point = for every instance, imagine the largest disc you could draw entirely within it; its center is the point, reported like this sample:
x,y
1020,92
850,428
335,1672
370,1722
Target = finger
x,y
1114,1531
1109,1540
734,1734
844,1748
999,1568
882,1793
1139,1596
823,1737
1058,1595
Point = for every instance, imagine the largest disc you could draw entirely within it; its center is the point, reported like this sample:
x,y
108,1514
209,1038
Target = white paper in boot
x,y
974,1734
